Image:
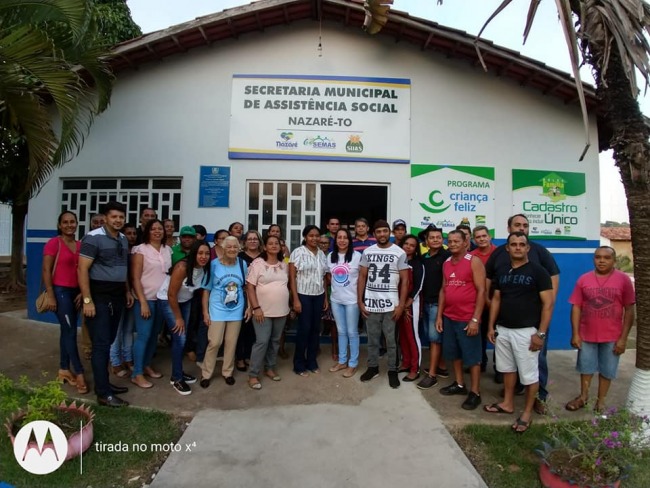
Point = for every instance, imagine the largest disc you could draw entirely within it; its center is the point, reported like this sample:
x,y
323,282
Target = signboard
x,y
446,196
555,202
323,118
214,186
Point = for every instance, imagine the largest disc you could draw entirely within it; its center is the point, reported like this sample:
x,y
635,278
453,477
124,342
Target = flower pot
x,y
551,480
78,442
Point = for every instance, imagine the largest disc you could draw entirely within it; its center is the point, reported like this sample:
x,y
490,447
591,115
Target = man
x,y
201,232
333,225
459,310
483,251
182,249
467,230
131,233
96,221
105,291
362,240
146,215
433,261
602,315
381,294
500,261
521,309
399,231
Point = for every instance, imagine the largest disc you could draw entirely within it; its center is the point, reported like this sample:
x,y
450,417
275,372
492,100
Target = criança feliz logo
x,y
40,447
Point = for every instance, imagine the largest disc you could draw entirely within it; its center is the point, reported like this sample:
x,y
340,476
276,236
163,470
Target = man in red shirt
x,y
484,248
459,310
602,315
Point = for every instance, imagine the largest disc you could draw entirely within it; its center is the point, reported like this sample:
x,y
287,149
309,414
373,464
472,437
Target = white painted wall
x,y
170,117
5,230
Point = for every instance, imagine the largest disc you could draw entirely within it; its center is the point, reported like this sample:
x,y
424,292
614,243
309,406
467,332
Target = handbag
x,y
41,301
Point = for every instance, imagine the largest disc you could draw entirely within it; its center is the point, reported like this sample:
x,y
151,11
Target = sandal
x,y
152,373
576,404
82,387
496,408
517,426
273,375
304,374
254,384
337,367
120,371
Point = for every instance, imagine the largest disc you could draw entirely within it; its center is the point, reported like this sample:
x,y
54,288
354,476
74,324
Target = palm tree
x,y
611,35
51,63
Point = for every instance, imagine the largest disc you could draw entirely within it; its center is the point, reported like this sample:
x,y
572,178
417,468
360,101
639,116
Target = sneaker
x,y
189,379
182,387
472,401
453,389
393,380
370,374
427,382
443,373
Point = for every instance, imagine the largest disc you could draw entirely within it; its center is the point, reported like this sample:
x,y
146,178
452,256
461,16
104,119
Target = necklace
x,y
602,285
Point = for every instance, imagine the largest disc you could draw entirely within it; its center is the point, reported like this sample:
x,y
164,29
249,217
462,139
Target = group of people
x,y
240,292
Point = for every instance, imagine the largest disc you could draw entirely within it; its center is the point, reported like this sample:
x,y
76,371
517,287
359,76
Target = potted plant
x,y
594,453
24,402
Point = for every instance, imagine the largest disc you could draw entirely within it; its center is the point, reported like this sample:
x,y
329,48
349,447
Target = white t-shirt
x,y
344,278
310,270
184,292
382,284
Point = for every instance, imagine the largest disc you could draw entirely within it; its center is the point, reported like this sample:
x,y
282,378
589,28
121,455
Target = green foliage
x,y
114,21
38,401
624,263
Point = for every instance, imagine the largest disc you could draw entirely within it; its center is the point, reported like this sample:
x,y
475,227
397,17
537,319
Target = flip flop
x,y
521,423
576,404
304,374
255,385
496,408
274,377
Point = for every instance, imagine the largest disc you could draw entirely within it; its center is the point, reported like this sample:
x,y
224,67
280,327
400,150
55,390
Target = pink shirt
x,y
602,301
483,257
271,288
460,292
155,266
65,273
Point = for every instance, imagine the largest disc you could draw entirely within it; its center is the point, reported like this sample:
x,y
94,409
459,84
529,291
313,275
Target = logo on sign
x,y
435,204
354,145
40,447
286,142
319,142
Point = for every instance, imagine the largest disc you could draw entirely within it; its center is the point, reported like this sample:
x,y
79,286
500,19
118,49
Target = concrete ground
x,y
324,430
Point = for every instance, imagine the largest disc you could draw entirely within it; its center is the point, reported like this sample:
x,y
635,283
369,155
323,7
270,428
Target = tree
x,y
611,35
52,59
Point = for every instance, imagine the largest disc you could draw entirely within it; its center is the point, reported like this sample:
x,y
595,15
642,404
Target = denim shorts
x,y
598,357
429,315
456,344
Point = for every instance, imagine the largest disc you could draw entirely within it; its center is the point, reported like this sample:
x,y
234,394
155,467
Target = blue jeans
x,y
103,329
122,347
67,314
147,336
308,333
347,325
429,314
179,338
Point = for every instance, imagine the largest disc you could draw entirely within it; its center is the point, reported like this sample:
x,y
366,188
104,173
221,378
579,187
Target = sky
x,y
545,43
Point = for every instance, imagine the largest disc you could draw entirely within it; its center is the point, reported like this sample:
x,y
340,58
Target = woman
x,y
307,268
276,230
409,339
170,228
224,307
151,262
268,294
252,250
217,249
343,275
175,299
59,275
237,229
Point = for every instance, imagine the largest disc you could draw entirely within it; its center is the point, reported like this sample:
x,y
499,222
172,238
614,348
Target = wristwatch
x,y
541,335
88,300
475,320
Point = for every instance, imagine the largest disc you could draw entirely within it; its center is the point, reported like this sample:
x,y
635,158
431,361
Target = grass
x,y
103,469
506,460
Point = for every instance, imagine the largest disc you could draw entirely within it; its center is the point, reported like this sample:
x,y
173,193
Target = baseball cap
x,y
380,224
187,230
399,222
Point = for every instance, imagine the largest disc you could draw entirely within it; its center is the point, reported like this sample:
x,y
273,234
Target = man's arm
x,y
478,275
628,321
495,306
548,301
555,280
84,284
441,306
403,293
576,340
361,288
